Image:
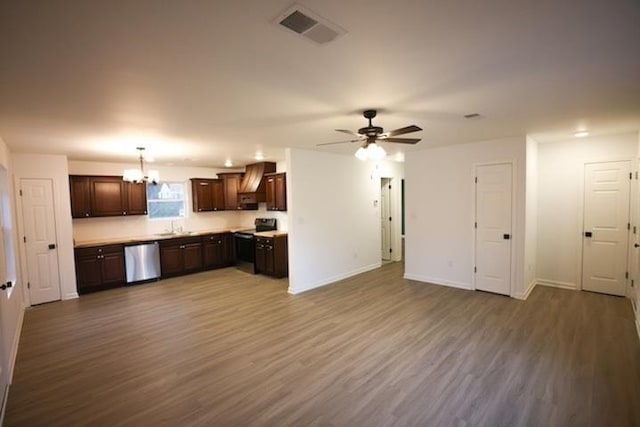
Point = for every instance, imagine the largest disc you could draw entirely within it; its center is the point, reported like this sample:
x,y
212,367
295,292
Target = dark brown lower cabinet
x,y
180,256
218,250
99,267
271,256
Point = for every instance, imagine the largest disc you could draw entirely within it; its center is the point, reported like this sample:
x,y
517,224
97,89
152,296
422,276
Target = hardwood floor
x,y
225,348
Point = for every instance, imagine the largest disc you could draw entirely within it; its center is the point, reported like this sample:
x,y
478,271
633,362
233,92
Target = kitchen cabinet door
x,y
229,249
276,190
214,251
80,194
192,255
88,272
171,260
281,191
136,198
268,258
230,185
107,196
260,255
217,195
202,195
112,268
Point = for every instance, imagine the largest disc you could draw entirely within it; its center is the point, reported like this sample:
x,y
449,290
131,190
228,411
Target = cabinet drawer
x,y
180,241
264,240
99,250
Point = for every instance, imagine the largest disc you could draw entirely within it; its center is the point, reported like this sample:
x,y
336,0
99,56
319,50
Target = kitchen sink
x,y
176,233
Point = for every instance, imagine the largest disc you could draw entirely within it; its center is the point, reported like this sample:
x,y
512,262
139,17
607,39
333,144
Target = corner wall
x,y
334,226
439,189
531,218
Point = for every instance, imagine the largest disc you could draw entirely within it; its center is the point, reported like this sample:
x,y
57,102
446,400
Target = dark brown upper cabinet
x,y
231,185
207,194
276,191
98,196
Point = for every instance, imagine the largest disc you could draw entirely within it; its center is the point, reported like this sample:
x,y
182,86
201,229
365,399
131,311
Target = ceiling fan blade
x,y
349,132
339,142
401,131
402,140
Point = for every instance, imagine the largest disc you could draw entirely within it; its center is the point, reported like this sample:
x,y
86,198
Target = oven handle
x,y
244,236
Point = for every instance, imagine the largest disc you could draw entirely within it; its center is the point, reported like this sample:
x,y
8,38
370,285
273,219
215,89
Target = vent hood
x,y
253,186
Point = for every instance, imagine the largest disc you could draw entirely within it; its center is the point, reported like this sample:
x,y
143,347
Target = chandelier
x,y
138,176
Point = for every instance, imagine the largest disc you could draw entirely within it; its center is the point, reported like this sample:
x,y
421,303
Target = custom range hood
x,y
253,186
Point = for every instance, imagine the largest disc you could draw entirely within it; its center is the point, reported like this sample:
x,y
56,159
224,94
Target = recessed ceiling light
x,y
228,163
581,134
259,156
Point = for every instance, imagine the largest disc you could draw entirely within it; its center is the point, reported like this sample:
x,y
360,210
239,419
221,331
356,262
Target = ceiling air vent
x,y
309,25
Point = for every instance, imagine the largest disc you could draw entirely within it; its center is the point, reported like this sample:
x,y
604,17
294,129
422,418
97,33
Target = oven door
x,y
245,247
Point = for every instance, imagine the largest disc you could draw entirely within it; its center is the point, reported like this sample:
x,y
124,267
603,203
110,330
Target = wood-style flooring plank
x,y
226,348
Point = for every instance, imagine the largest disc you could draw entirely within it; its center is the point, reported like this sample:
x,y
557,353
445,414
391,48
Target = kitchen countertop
x,y
270,233
153,237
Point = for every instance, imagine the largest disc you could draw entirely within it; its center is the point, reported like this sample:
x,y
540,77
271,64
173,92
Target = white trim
x,y
637,330
72,295
526,293
558,284
335,278
514,220
439,282
14,347
12,362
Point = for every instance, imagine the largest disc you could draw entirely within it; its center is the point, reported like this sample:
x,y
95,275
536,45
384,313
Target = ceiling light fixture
x,y
259,156
581,134
228,163
137,175
370,151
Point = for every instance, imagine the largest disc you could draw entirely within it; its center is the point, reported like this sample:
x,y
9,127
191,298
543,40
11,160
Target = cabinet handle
x,y
199,209
269,248
124,213
87,214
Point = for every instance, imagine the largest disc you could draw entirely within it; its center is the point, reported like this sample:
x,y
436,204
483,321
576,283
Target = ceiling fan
x,y
368,135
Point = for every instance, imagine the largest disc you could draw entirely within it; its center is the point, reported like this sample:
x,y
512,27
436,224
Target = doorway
x,y
606,227
40,240
385,218
493,220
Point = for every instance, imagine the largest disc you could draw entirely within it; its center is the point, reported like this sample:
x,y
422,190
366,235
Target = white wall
x,y
560,201
531,216
439,192
13,299
53,167
334,227
87,229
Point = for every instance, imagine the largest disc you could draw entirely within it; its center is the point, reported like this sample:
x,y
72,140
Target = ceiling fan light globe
x,y
361,154
375,152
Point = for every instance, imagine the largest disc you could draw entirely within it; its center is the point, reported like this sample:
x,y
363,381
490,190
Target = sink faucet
x,y
173,230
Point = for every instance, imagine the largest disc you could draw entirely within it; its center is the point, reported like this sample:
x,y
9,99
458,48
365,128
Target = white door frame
x,y
22,244
391,224
395,211
580,230
515,237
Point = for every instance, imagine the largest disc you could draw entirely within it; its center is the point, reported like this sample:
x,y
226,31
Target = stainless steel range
x,y
245,242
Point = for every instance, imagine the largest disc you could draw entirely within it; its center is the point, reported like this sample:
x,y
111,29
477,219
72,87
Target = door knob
x,y
588,234
636,245
52,245
506,236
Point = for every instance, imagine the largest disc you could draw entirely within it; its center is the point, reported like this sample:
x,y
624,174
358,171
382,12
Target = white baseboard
x,y
638,327
557,284
72,295
526,293
333,279
14,347
439,282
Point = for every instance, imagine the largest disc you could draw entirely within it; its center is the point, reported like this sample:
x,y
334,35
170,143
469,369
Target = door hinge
x,y
628,226
475,224
389,186
634,229
630,175
390,250
21,192
24,238
632,283
626,275
475,269
476,180
389,218
28,285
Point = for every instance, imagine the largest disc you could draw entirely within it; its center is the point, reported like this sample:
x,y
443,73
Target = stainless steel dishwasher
x,y
142,262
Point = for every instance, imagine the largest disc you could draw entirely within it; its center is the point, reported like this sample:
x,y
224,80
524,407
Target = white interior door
x,y
385,217
606,219
41,242
493,228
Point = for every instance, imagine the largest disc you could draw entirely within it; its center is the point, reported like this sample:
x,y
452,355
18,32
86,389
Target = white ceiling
x,y
201,81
